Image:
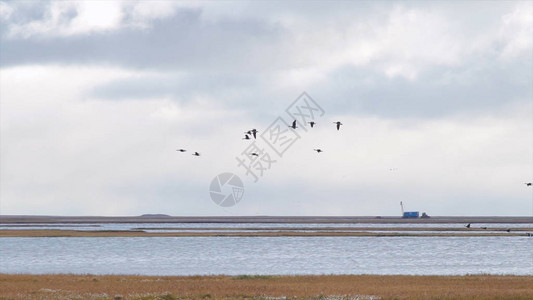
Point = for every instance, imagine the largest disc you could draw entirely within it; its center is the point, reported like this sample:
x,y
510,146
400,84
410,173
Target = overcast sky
x,y
435,97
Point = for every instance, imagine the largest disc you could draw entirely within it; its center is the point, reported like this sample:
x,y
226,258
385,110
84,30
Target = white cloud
x,y
5,11
67,18
96,16
517,32
406,71
70,18
404,41
143,12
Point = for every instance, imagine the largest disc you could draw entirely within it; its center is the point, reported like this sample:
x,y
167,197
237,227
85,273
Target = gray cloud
x,y
177,86
25,12
181,42
438,92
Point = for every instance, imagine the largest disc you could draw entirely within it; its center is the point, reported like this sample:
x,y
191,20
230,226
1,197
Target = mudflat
x,y
7,219
227,233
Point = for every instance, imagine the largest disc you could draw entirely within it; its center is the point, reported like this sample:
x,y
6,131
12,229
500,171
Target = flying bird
x,y
468,225
528,183
246,137
293,126
254,154
312,124
181,150
338,124
254,132
318,150
196,154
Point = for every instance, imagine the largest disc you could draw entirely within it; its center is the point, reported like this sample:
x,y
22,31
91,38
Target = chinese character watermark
x,y
279,137
304,110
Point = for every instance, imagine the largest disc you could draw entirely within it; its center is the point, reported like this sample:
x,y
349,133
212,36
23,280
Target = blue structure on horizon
x,y
409,214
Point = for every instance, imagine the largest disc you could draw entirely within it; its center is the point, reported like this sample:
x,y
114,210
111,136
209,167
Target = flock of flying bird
x,y
253,132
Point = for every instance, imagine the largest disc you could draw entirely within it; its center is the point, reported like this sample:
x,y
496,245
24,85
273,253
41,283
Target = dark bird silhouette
x,y
254,154
483,227
468,225
338,124
246,137
528,183
196,154
181,150
508,230
312,124
293,126
254,132
318,150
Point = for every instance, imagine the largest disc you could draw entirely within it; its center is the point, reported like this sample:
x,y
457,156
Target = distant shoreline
x,y
13,219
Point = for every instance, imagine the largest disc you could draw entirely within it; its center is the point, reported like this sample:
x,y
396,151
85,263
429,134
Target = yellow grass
x,y
265,287
140,233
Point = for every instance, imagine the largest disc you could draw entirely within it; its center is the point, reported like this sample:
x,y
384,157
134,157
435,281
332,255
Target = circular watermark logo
x,y
226,189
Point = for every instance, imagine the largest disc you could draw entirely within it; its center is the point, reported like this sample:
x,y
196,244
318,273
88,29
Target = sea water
x,y
268,255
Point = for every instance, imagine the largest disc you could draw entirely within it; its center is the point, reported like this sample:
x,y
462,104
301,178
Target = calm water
x,y
178,226
268,255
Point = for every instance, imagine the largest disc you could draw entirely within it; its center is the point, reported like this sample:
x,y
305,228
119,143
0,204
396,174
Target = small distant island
x,y
155,216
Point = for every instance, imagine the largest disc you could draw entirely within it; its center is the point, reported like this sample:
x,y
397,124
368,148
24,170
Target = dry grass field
x,y
265,287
